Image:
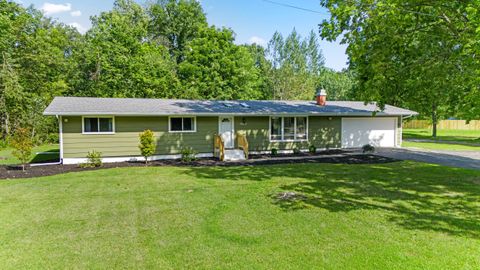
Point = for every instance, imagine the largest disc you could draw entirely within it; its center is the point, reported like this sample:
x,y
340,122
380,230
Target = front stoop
x,y
234,155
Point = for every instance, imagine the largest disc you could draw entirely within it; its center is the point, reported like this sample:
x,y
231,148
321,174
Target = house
x,y
227,128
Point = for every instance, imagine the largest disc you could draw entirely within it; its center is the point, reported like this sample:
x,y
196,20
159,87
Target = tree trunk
x,y
434,121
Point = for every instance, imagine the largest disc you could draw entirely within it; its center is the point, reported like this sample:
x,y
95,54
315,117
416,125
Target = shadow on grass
x,y
415,196
52,155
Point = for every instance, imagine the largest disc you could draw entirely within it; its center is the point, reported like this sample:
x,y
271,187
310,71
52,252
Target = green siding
x,y
323,132
125,140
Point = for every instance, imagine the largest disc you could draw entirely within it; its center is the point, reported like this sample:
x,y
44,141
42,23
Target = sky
x,y
253,21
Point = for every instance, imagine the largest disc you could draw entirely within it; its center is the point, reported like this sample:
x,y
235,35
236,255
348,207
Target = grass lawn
x,y
6,156
456,140
403,215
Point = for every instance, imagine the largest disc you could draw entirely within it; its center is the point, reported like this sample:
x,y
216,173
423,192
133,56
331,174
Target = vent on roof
x,y
245,105
226,104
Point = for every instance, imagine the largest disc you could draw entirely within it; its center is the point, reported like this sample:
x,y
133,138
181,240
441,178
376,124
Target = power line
x,y
292,6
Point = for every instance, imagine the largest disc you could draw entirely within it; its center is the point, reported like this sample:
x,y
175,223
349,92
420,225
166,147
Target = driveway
x,y
462,159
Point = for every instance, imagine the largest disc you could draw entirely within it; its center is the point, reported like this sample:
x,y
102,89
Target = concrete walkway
x,y
462,159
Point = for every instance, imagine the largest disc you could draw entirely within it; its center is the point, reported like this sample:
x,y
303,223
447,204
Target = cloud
x,y
49,8
257,40
79,27
76,13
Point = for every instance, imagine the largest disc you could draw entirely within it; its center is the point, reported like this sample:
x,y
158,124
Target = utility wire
x,y
292,6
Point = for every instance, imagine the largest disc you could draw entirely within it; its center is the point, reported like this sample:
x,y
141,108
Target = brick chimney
x,y
321,97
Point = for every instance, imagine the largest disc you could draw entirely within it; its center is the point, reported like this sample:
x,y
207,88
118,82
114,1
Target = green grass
x,y
6,156
461,136
402,215
440,146
456,140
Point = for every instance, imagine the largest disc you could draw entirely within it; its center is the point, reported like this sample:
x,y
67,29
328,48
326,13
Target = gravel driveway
x,y
462,159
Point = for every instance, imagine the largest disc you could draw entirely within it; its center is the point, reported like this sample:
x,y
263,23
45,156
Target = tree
x,y
147,144
22,145
216,68
339,84
296,66
408,53
174,23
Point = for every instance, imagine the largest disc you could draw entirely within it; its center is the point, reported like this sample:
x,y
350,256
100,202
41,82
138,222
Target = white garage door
x,y
379,132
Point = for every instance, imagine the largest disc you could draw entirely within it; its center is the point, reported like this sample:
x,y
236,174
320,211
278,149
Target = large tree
x,y
215,68
408,53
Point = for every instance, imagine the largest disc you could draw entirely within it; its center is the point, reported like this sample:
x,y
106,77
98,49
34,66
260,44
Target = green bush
x,y
94,159
296,151
312,149
3,144
147,144
188,154
274,151
367,148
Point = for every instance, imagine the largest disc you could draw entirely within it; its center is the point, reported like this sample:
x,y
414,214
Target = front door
x,y
226,131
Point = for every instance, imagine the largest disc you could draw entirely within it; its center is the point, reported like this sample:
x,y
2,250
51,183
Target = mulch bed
x,y
12,172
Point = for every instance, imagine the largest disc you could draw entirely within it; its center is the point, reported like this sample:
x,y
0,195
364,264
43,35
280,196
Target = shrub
x,y
3,144
367,148
188,154
312,149
274,151
52,138
22,145
296,151
94,159
147,144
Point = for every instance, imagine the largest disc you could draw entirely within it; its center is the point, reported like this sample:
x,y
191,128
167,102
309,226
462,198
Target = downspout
x,y
60,137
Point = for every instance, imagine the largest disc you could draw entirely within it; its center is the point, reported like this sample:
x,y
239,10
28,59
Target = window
x,y
182,124
98,125
288,128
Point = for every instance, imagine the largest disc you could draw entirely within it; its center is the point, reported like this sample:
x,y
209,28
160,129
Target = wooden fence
x,y
444,124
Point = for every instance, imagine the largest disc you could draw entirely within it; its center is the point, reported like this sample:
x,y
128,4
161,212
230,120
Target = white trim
x,y
233,128
67,161
282,128
345,114
98,132
401,132
182,131
60,137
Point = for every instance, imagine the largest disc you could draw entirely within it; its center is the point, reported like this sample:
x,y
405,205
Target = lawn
x,y
456,140
403,215
40,154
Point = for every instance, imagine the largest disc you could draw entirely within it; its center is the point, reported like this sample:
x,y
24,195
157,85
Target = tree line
x,y
165,49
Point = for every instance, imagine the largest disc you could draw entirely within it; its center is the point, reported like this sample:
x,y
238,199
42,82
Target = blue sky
x,y
252,20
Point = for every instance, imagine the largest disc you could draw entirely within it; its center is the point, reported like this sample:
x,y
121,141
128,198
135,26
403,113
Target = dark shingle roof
x,y
145,107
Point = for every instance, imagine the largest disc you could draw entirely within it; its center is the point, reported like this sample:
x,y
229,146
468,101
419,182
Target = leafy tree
x,y
216,68
409,53
174,23
339,84
119,61
147,144
22,145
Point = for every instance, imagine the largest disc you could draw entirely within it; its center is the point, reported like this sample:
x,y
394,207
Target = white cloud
x,y
257,40
49,8
76,13
79,27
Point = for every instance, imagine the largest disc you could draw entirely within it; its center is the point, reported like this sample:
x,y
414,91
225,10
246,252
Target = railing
x,y
219,147
243,144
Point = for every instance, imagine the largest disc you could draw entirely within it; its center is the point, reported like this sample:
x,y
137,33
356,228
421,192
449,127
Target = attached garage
x,y
376,131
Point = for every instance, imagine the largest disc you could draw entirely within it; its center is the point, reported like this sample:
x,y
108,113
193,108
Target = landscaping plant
x,y
296,151
147,144
274,151
94,159
188,154
367,148
22,145
312,149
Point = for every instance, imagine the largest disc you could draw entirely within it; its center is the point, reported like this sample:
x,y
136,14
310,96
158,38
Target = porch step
x,y
234,155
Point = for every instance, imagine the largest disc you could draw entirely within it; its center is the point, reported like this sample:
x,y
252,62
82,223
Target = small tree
x,y
147,144
22,145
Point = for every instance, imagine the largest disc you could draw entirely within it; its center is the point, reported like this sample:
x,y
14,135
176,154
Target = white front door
x,y
226,130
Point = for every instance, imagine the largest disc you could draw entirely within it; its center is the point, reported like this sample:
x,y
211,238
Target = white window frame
x,y
283,130
98,132
182,131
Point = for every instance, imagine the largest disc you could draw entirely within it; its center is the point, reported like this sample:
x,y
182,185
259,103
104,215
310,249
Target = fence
x,y
444,124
